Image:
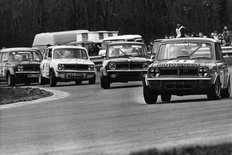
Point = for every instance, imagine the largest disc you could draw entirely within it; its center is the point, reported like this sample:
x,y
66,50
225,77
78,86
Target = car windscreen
x,y
125,50
70,53
25,56
186,50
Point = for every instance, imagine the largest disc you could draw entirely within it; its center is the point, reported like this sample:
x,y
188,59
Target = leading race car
x,y
187,66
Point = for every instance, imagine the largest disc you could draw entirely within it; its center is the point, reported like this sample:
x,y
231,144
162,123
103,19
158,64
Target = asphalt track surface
x,y
86,119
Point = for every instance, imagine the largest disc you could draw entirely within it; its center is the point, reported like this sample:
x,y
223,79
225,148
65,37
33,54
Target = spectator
x,y
180,31
200,34
226,36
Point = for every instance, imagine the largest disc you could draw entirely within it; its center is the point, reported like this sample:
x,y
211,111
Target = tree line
x,y
22,19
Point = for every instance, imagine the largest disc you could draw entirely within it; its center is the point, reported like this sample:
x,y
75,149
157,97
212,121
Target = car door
x,y
222,66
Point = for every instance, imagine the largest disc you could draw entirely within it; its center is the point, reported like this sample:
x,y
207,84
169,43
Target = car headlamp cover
x,y
203,72
20,68
153,72
112,66
60,67
91,67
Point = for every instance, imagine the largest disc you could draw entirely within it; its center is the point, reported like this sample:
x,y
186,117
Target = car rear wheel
x,y
53,80
150,96
215,91
226,92
92,80
166,97
10,80
105,82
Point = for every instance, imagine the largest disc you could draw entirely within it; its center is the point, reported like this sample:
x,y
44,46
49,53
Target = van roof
x,y
119,37
18,49
56,38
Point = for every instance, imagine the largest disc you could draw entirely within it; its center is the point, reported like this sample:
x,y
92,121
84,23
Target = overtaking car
x,y
124,61
187,66
20,65
66,63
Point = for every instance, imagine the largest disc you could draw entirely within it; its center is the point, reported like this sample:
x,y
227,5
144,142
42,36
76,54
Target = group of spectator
x,y
225,37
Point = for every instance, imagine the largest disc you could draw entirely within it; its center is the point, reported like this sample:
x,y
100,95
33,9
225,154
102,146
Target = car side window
x,y
218,51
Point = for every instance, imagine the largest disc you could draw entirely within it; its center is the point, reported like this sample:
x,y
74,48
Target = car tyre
x,y
92,80
105,82
42,80
214,92
226,92
53,80
166,97
10,80
78,82
150,96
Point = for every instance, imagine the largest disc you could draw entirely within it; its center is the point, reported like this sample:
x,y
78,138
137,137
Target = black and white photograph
x,y
115,77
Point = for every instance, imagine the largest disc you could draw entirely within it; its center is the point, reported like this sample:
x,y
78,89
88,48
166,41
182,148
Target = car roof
x,y
126,42
189,39
66,46
18,49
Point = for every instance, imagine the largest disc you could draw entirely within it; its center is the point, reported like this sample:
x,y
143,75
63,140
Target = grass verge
x,y
15,94
220,149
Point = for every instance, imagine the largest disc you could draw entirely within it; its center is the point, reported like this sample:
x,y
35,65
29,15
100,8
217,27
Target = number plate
x,y
32,75
78,75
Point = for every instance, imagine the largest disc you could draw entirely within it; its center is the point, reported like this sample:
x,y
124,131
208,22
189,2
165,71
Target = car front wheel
x,y
10,80
105,82
214,92
150,96
166,97
53,80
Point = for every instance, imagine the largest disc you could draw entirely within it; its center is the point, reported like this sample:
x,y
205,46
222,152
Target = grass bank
x,y
16,94
220,149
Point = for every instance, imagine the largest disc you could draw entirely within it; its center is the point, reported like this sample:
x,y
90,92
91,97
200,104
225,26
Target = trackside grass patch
x,y
221,149
15,94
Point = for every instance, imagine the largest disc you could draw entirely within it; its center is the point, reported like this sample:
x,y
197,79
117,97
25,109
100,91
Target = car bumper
x,y
179,85
126,75
27,75
72,75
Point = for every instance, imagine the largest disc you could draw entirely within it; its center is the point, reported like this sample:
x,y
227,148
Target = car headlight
x,y
145,65
91,67
20,68
153,72
203,72
112,66
60,67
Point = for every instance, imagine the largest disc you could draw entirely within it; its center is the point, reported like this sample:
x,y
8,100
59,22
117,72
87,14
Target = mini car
x,y
20,65
124,61
187,66
66,63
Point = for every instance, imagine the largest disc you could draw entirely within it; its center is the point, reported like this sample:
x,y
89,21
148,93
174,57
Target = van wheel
x,y
53,80
226,92
215,91
10,80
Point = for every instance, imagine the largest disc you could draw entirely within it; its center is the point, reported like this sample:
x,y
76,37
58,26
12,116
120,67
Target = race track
x,y
115,121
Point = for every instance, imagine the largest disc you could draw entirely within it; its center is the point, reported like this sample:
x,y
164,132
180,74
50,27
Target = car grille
x,y
31,67
178,71
75,67
129,65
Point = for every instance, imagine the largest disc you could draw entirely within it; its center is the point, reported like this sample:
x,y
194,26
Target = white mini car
x,y
66,63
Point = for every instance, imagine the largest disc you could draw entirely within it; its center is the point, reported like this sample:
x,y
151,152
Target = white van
x,y
129,38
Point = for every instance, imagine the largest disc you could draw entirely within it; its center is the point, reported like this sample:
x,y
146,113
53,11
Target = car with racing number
x,y
124,61
187,66
19,65
66,63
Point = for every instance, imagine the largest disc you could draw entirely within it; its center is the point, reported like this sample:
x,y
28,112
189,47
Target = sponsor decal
x,y
181,63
